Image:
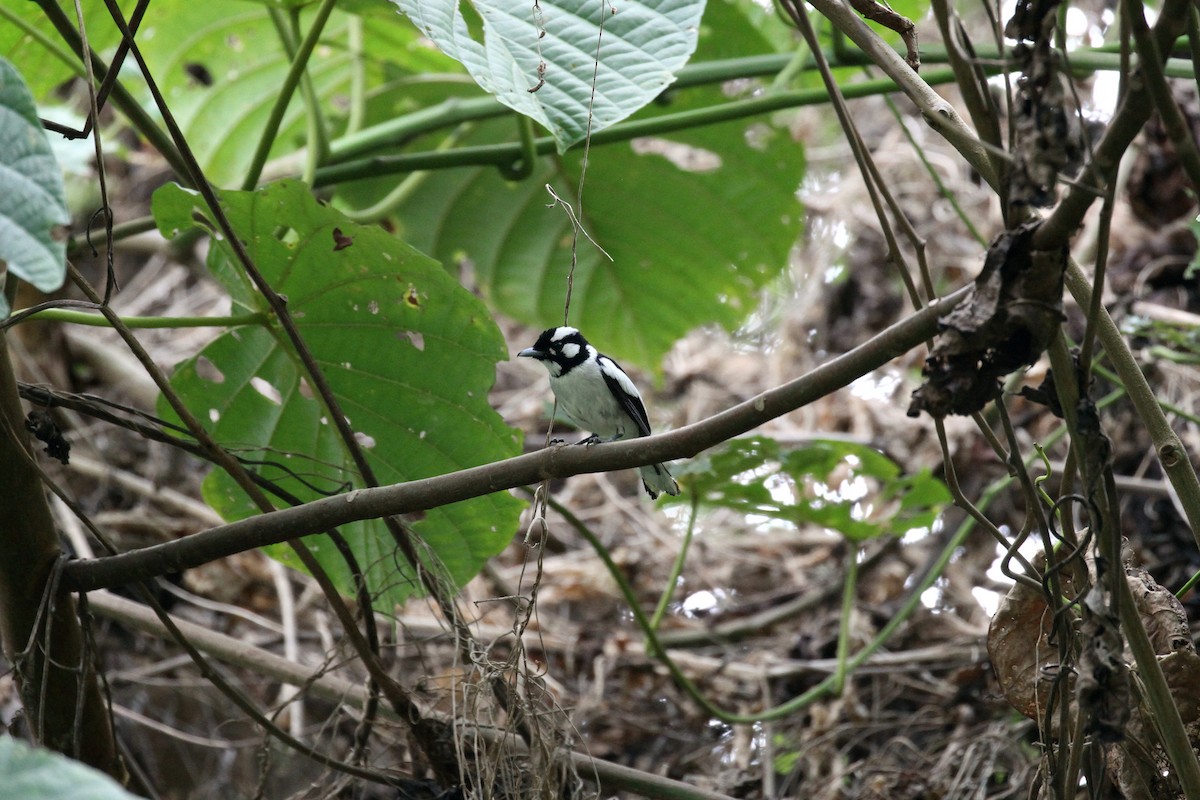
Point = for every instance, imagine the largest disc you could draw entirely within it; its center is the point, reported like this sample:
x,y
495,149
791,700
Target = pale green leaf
x,y
34,773
696,222
600,63
33,211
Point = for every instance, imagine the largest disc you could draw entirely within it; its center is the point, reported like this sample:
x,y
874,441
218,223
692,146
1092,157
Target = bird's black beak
x,y
531,352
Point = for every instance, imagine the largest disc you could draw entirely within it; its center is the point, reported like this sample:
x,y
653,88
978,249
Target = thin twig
x,y
613,777
937,111
862,155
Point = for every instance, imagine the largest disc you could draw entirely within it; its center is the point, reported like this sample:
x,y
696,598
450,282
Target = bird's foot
x,y
591,440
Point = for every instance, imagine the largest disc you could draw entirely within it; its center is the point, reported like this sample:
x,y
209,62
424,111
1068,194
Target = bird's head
x,y
558,349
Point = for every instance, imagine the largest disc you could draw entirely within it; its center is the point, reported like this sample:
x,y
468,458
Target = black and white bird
x,y
596,395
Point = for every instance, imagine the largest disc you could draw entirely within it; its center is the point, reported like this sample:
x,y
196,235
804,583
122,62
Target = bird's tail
x,y
656,478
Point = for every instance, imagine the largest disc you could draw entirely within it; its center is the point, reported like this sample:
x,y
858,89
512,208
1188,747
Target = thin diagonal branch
x,y
554,462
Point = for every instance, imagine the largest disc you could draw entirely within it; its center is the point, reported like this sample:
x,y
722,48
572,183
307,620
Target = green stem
x,y
1193,36
358,74
1187,587
447,113
676,568
404,189
317,150
796,65
1167,445
849,586
499,155
1165,717
1170,408
99,320
122,230
822,689
391,201
293,79
522,168
456,110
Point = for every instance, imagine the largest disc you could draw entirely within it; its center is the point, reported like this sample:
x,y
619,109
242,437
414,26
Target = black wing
x,y
626,393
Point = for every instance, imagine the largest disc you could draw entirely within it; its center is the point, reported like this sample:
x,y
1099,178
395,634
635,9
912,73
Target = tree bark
x,y
59,688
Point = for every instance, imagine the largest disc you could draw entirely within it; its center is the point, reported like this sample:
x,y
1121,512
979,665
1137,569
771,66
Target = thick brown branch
x,y
555,462
42,637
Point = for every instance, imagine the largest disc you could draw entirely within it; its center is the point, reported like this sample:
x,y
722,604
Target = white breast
x,y
584,398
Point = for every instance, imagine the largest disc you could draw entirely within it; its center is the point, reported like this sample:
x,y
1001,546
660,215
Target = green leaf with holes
x,y
696,222
409,354
33,209
844,486
568,64
221,65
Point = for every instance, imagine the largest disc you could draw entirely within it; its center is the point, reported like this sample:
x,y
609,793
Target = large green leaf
x,y
33,209
409,353
696,222
34,773
222,65
27,38
600,64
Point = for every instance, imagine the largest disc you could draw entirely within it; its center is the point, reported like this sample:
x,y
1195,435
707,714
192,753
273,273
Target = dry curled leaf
x,y
1047,135
1139,766
43,426
1013,310
1158,189
1102,684
1019,646
1026,662
1182,671
1161,612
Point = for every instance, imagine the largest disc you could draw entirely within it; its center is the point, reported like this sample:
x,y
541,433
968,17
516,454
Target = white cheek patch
x,y
570,350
